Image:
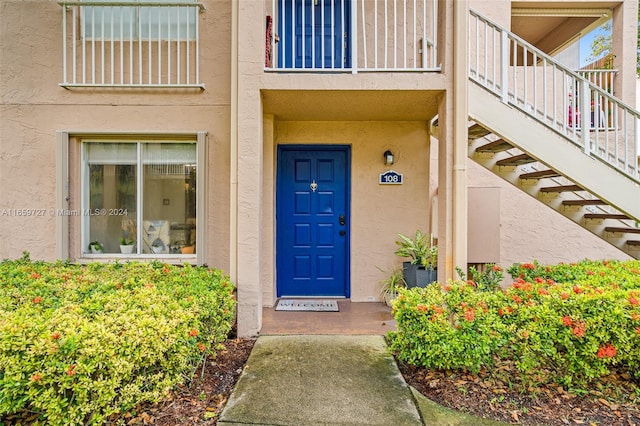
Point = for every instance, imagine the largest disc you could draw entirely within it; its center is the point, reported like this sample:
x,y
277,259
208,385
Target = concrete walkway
x,y
329,380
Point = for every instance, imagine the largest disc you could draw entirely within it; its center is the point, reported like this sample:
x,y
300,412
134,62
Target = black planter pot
x,y
418,275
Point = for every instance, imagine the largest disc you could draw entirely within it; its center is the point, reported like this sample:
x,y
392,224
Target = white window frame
x,y
63,194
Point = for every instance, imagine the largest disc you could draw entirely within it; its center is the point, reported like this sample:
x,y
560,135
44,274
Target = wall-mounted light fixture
x,y
388,158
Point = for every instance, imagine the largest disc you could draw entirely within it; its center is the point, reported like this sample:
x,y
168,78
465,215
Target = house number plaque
x,y
390,177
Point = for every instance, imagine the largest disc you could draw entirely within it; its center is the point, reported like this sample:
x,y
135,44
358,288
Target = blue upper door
x,y
312,215
314,34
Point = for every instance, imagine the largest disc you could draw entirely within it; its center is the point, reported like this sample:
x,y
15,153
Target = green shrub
x,y
80,344
569,332
445,330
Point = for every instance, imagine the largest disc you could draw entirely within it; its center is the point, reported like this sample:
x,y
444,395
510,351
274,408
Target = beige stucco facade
x,y
241,116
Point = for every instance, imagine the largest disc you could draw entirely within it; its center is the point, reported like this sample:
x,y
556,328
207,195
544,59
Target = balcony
x,y
351,36
131,44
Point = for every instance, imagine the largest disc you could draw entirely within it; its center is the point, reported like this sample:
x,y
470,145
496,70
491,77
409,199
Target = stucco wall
x,y
530,230
33,107
378,212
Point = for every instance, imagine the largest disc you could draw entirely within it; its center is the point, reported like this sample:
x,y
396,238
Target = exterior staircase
x,y
525,126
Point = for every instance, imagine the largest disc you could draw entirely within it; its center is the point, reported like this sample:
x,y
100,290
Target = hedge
x,y
567,324
83,344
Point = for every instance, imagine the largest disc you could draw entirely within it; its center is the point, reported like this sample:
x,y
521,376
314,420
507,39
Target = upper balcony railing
x,y
138,44
351,35
578,105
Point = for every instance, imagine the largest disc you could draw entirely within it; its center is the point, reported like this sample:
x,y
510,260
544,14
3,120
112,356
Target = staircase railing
x,y
557,97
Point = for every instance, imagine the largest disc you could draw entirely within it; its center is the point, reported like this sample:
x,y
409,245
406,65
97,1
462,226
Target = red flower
x,y
576,289
437,309
633,300
564,295
607,351
55,336
202,347
496,268
543,292
35,275
447,287
516,298
469,315
36,377
579,329
566,320
638,330
528,266
193,333
635,317
525,334
590,272
37,299
421,308
539,280
471,283
71,371
550,281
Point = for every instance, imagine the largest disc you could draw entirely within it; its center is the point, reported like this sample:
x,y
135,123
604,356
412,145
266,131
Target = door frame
x,y
347,188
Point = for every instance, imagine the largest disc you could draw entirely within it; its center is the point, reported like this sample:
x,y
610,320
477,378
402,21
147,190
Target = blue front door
x,y
312,221
314,34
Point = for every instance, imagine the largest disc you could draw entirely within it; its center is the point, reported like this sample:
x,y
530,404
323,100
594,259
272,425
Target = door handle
x,y
342,220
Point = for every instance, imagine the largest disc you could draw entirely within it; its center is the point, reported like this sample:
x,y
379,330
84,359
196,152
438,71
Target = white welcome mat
x,y
307,305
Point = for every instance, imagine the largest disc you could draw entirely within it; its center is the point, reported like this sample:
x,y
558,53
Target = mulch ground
x,y
614,400
202,401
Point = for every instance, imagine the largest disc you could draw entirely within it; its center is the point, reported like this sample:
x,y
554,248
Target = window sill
x,y
171,259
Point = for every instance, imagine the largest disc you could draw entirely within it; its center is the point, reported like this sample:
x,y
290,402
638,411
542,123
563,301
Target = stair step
x,y
495,146
622,230
633,243
561,188
516,160
583,203
606,216
540,174
476,131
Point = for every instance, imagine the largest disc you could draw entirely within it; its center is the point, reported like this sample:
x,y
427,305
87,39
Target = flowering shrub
x,y
80,344
487,280
569,332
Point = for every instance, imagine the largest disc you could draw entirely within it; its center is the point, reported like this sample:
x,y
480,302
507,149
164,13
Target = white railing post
x,y
504,66
64,44
584,106
353,37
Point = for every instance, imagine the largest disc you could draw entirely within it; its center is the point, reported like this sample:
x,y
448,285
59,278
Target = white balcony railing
x,y
351,35
137,44
559,98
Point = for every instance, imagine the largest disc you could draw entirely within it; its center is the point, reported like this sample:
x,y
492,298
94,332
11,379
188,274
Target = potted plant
x,y
157,247
96,247
421,269
126,246
390,284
